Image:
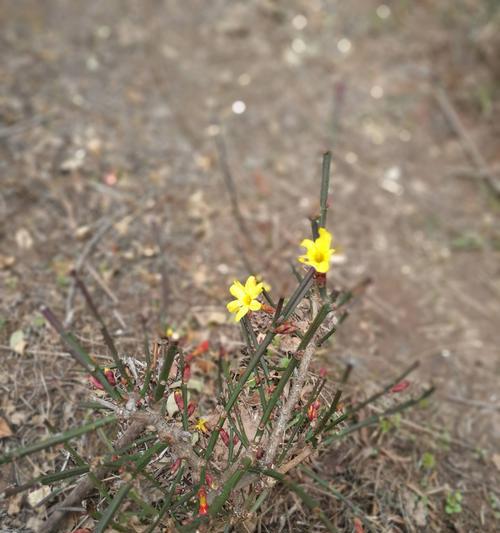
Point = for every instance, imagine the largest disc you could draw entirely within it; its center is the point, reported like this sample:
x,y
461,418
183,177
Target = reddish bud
x,y
202,498
178,399
322,372
202,348
224,436
260,453
236,440
358,526
175,465
210,481
401,386
186,373
95,382
191,408
110,178
313,410
268,309
110,376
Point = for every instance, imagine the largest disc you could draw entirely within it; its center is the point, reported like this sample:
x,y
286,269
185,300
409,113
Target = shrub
x,y
181,458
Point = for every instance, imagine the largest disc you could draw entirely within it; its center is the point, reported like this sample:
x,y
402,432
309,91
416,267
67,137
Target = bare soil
x,y
108,117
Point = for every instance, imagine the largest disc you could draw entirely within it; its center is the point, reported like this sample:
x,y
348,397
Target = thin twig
x,y
230,185
98,279
87,250
467,143
165,287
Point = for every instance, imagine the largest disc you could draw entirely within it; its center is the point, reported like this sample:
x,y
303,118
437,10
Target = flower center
x,y
247,299
319,256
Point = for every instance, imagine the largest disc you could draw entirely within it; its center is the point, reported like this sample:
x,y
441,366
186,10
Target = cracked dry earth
x,y
108,112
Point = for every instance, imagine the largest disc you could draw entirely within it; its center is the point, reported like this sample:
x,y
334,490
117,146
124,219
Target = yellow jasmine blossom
x,y
318,252
246,297
201,425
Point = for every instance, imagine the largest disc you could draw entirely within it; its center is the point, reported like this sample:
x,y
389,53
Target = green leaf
x,y
428,460
453,502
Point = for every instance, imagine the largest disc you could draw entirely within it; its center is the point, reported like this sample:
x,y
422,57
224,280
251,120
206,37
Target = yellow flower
x,y
318,251
201,425
246,297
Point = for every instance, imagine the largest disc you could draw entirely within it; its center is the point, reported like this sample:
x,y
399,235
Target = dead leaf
x,y
17,342
24,239
5,430
14,504
35,524
420,514
496,460
6,261
38,495
18,418
82,232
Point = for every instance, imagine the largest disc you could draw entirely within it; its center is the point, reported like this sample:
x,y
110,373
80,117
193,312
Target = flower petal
x,y
241,313
325,239
256,290
250,284
237,290
308,244
255,305
233,306
322,267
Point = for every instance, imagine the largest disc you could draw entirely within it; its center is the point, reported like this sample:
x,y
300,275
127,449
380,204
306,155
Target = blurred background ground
x,y
108,117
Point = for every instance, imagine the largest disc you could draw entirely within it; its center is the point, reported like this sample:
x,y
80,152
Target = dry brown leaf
x,y
6,261
5,430
14,504
17,342
38,495
24,239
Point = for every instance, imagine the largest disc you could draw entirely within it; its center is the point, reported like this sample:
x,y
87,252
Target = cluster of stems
x,y
211,463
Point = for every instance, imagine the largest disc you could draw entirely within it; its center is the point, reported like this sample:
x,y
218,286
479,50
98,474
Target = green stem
x,y
57,439
230,484
168,360
78,352
325,185
299,294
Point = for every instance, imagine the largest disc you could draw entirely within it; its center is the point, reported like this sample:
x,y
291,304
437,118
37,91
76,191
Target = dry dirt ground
x,y
109,113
